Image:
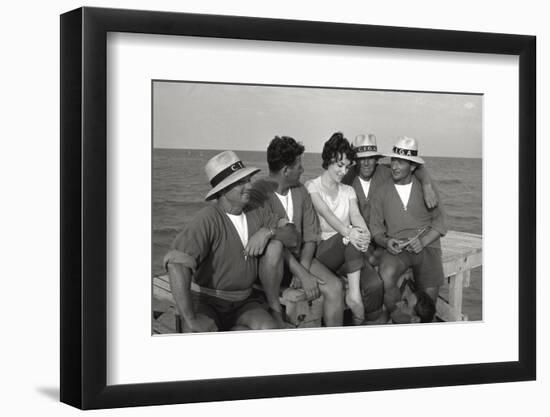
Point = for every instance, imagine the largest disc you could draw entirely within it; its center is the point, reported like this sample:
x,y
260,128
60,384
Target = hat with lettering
x,y
225,169
406,148
365,146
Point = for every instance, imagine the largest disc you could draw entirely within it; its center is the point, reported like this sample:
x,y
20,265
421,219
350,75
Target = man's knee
x,y
332,288
273,253
272,259
267,324
388,275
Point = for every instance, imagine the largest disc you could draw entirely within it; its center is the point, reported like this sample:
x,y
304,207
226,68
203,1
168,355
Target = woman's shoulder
x,y
347,189
313,184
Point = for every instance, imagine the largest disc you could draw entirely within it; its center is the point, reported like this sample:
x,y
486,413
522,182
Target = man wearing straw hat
x,y
214,259
401,223
366,177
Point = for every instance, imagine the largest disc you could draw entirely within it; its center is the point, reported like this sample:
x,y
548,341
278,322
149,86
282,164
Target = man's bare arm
x,y
307,254
257,243
180,283
430,196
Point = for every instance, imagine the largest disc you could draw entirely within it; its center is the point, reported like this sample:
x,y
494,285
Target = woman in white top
x,y
344,232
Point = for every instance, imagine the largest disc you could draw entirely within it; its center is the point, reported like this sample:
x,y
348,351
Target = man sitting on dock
x,y
366,176
215,258
283,193
401,223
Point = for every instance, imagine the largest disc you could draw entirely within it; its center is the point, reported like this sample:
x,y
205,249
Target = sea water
x,y
180,185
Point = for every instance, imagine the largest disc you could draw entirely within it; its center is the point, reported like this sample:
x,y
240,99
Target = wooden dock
x,y
461,253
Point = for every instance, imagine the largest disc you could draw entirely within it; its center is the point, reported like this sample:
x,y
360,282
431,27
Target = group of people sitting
x,y
348,235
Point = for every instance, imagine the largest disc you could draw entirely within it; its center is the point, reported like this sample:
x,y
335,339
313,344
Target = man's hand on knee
x,y
310,287
393,246
257,242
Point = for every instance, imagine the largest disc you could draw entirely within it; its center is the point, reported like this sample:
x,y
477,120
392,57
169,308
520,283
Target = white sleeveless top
x,y
339,206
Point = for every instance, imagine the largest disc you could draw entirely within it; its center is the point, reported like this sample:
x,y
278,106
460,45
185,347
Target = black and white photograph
x,y
291,207
275,208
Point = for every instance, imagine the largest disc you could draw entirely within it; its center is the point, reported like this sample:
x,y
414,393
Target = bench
x,y
298,312
461,252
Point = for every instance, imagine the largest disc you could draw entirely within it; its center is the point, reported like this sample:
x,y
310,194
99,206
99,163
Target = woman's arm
x,y
359,236
355,215
326,213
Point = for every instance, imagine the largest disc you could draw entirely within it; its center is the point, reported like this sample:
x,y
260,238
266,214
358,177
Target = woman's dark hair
x,y
335,148
283,151
425,307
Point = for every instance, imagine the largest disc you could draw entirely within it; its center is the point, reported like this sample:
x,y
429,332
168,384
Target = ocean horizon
x,y
179,186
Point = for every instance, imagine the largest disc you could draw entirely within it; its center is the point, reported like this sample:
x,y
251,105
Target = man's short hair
x,y
425,307
283,151
335,147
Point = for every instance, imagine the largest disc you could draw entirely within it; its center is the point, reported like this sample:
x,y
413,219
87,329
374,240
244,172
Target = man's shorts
x,y
334,255
427,266
226,313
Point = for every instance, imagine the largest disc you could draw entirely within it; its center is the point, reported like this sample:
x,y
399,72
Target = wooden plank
x,y
461,264
447,313
298,311
162,327
161,289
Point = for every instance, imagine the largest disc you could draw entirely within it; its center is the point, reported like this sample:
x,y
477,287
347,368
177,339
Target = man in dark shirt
x,y
214,259
366,176
409,231
283,193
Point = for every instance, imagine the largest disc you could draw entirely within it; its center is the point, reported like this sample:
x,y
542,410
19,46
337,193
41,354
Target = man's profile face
x,y
401,170
367,167
294,171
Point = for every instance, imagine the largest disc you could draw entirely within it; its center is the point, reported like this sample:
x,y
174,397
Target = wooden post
x,y
456,285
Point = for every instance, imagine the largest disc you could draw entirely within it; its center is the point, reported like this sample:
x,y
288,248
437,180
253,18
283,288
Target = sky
x,y
244,117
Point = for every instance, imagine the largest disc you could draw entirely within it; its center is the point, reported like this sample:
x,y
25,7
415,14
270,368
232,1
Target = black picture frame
x,y
84,207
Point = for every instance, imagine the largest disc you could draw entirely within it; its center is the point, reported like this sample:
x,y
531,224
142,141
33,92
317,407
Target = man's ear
x,y
413,167
285,170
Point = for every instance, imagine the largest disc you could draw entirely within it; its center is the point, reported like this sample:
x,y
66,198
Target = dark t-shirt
x,y
380,176
388,215
212,248
304,215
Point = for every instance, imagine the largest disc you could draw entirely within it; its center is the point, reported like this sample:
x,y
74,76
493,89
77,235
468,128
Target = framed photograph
x,y
152,101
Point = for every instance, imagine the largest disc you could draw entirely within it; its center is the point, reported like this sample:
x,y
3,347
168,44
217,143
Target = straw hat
x,y
225,169
406,148
365,146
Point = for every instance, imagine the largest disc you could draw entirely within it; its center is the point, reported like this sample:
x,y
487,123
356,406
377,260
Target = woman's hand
x,y
359,238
